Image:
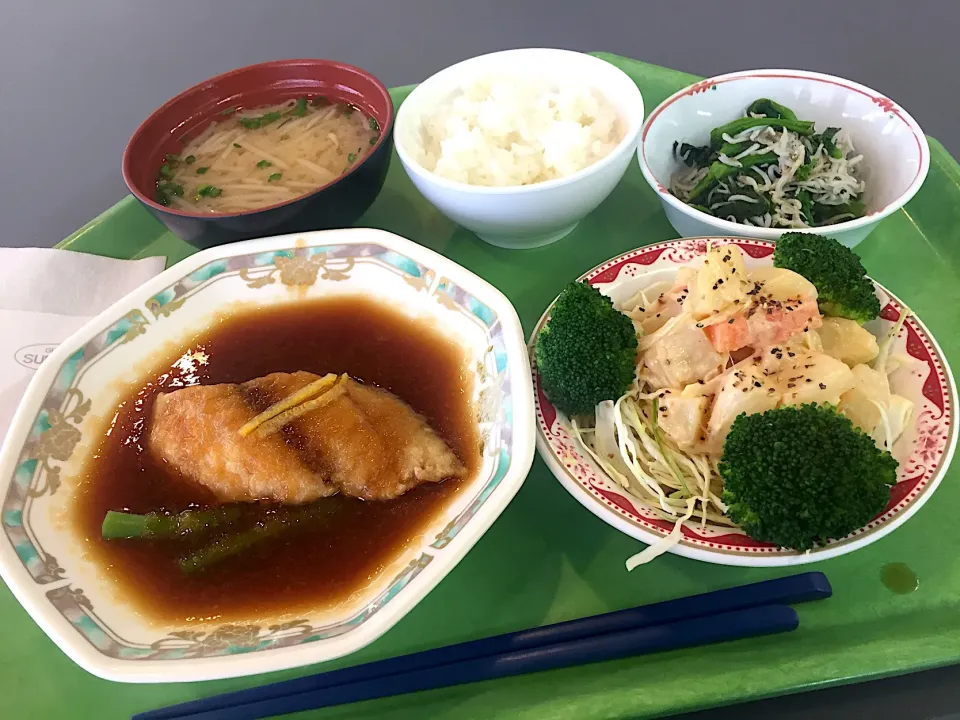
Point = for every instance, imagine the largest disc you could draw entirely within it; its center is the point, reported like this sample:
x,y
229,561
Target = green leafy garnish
x,y
806,206
826,138
300,109
202,170
165,189
170,188
351,157
166,172
264,164
275,176
190,159
373,140
237,145
374,125
803,172
771,109
172,160
208,191
252,123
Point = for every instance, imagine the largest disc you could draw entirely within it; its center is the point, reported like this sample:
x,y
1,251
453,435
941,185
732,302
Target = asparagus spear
x,y
230,544
158,525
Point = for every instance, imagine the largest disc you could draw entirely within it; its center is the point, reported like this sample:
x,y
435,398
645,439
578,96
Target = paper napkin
x,y
45,296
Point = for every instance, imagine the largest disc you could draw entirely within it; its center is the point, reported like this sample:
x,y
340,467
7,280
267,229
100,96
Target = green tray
x,y
547,559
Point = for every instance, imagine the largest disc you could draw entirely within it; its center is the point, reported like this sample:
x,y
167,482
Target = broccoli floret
x,y
836,271
586,352
799,476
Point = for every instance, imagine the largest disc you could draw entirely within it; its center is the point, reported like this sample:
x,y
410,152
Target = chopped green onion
x,y
165,172
257,122
300,109
374,125
237,145
373,140
202,170
319,101
351,157
190,159
228,111
264,164
275,176
166,189
208,191
170,188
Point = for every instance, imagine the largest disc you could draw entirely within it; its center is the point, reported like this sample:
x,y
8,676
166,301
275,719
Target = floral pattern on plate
x,y
923,452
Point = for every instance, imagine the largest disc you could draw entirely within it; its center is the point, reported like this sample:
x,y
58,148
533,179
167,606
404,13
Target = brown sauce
x,y
306,567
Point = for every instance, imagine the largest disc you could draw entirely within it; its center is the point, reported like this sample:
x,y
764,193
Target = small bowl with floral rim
x,y
895,162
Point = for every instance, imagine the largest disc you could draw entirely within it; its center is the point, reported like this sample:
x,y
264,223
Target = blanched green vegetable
x,y
743,209
826,139
158,525
230,544
778,173
824,214
800,127
769,108
719,171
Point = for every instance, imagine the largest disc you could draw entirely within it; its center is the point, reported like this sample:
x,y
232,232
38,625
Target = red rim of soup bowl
x,y
189,113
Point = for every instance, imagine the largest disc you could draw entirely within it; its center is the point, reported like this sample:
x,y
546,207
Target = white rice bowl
x,y
501,131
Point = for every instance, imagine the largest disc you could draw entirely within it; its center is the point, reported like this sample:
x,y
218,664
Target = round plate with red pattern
x,y
923,451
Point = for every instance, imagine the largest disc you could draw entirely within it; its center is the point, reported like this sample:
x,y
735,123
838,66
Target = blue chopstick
x,y
736,625
783,591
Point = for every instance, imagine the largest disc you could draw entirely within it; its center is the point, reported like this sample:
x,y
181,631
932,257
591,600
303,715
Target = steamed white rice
x,y
501,131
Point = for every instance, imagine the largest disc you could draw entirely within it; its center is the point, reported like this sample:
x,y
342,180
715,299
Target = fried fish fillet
x,y
366,443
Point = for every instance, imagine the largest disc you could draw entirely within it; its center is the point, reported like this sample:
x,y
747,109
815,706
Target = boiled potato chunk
x,y
813,378
744,390
721,281
847,341
870,386
783,285
681,418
